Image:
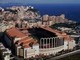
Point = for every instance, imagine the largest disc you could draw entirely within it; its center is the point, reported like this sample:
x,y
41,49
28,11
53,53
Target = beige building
x,y
4,53
26,46
6,25
52,45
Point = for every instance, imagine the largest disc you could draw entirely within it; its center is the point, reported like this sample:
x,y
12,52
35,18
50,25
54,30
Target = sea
x,y
71,11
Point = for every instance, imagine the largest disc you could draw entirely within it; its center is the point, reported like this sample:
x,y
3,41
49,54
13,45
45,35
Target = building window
x,y
25,53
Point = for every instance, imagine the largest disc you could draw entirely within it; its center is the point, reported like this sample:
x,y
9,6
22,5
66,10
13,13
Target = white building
x,y
4,52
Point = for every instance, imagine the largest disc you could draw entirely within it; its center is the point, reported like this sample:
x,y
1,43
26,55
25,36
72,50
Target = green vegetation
x,y
69,25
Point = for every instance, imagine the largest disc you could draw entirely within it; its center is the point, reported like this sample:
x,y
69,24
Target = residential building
x,y
4,52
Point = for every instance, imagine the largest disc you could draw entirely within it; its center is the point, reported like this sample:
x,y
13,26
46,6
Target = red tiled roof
x,y
14,32
58,33
28,42
54,31
22,40
26,46
31,40
25,41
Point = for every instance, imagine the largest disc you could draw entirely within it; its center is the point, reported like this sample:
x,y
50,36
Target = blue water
x,y
71,11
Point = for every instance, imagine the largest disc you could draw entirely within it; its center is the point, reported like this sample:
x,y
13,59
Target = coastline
x,y
71,11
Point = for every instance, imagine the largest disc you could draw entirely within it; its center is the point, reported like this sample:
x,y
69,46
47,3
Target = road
x,y
17,58
64,55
